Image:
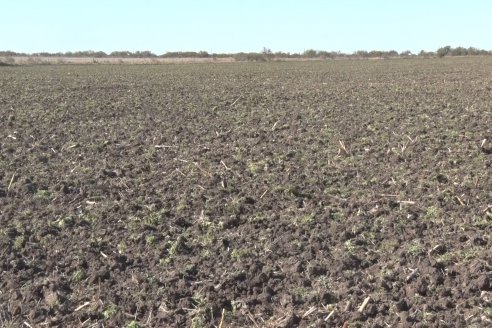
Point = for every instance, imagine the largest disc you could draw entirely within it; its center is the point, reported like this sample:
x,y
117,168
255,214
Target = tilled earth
x,y
310,194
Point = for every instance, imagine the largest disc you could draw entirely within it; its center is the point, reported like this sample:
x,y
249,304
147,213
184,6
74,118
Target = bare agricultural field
x,y
299,194
37,60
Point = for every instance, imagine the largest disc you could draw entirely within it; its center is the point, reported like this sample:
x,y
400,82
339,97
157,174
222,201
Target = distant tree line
x,y
265,55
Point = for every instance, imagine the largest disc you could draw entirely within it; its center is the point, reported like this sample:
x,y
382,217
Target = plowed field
x,y
308,194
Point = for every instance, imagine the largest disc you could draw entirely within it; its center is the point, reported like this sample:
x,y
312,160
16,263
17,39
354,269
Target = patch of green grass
x,y
298,244
133,324
150,240
337,216
198,300
447,258
206,253
459,256
202,313
241,253
152,219
121,247
110,311
257,218
415,248
62,223
198,322
46,240
304,219
432,213
350,246
302,292
133,223
483,221
181,205
78,275
210,235
19,242
256,167
42,194
91,219
234,206
172,250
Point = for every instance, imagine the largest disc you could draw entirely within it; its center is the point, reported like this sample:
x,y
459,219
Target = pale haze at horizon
x,y
242,26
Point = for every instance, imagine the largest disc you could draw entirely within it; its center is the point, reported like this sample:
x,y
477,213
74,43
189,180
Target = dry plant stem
x,y
235,101
264,193
180,172
11,181
342,148
364,304
221,324
82,306
309,311
460,201
411,140
388,195
329,315
227,168
250,316
434,249
274,125
413,273
164,146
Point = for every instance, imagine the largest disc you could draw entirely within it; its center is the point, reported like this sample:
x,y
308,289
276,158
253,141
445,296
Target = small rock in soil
x,y
402,305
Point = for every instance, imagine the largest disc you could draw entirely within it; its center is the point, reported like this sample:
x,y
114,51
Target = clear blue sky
x,y
248,25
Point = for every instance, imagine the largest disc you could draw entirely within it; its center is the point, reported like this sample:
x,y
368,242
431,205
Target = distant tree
x,y
264,55
443,51
406,53
375,54
424,53
473,51
144,54
9,53
254,56
392,53
325,54
121,54
190,54
267,53
361,54
100,54
310,53
251,56
459,51
280,54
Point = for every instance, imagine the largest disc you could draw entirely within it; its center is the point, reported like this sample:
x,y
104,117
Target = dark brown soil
x,y
247,195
